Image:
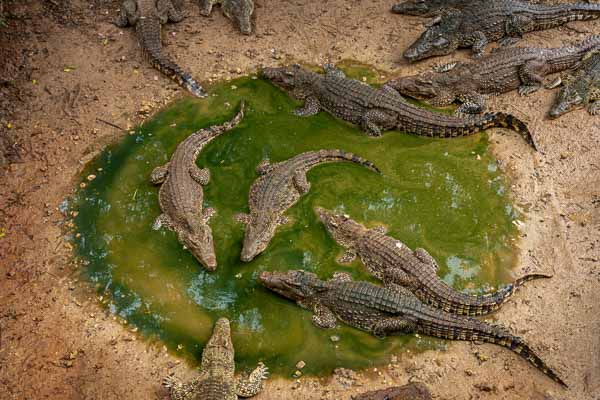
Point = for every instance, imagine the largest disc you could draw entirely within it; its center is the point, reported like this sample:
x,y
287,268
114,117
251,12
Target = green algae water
x,y
444,195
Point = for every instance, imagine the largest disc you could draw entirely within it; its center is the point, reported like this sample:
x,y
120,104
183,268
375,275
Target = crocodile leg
x,y
162,220
516,26
301,183
177,389
201,176
396,275
167,12
472,103
159,174
532,76
340,276
323,317
594,99
253,384
264,167
206,6
242,218
374,120
128,15
208,213
480,42
311,107
391,326
425,257
347,257
332,70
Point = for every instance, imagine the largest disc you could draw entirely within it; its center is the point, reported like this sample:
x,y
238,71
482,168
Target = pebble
x,y
91,177
300,364
334,338
297,374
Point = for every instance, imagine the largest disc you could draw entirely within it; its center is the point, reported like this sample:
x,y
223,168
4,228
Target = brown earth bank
x,y
66,70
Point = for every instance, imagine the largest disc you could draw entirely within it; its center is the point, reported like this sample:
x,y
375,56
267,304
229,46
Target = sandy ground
x,y
65,67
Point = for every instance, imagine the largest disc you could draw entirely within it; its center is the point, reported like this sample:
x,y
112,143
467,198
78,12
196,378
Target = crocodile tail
x,y
341,155
442,296
493,301
149,35
517,345
508,121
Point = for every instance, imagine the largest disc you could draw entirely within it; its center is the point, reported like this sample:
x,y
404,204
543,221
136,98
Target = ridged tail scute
x,y
517,345
508,121
341,155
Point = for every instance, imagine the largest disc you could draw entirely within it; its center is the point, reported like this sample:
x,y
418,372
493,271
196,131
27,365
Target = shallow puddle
x,y
444,195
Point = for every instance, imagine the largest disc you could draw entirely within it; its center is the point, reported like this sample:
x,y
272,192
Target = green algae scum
x,y
444,195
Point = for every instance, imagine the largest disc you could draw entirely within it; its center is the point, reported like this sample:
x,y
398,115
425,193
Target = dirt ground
x,y
65,71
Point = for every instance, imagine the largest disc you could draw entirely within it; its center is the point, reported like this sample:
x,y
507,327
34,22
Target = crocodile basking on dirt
x,y
278,188
239,11
581,89
379,109
181,195
410,391
499,72
383,312
148,16
217,380
429,8
392,262
500,20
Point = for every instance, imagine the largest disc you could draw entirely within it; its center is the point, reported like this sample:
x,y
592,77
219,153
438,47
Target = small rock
x,y
300,364
334,338
91,177
297,374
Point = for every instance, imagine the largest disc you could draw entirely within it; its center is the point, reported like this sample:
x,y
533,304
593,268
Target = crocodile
x,y
239,11
392,262
181,195
148,16
278,188
383,312
375,109
430,8
217,372
411,391
581,89
501,20
499,72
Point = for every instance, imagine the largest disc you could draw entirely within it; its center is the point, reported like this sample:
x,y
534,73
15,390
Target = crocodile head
x,y
568,99
292,78
240,11
300,286
199,242
413,7
221,336
440,38
422,86
259,232
342,229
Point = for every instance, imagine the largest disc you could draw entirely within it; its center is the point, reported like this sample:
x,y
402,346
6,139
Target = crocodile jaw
x,y
285,284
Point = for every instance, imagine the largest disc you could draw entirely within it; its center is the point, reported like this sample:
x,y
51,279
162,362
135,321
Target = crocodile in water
x,y
148,16
181,195
277,189
382,312
581,89
499,72
217,380
499,20
239,11
379,109
392,262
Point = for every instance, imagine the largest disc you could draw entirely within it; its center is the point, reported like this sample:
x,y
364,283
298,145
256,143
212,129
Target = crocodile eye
x,y
440,42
